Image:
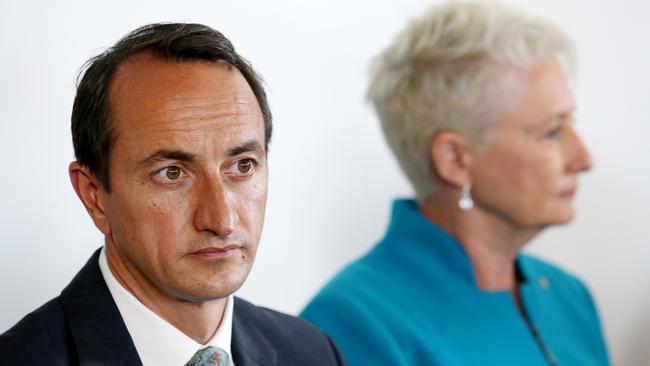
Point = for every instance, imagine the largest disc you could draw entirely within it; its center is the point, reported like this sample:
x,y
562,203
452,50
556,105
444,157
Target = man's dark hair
x,y
93,132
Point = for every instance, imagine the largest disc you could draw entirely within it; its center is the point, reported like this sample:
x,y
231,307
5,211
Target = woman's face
x,y
527,173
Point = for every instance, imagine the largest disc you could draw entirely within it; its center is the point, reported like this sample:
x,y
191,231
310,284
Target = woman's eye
x,y
245,166
554,132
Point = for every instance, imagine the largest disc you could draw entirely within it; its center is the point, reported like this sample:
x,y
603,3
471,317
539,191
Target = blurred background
x,y
332,177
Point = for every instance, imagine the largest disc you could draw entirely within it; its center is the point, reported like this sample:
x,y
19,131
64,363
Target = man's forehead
x,y
148,89
184,114
144,74
159,104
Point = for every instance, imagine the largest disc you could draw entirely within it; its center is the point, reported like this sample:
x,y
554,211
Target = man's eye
x,y
245,166
170,173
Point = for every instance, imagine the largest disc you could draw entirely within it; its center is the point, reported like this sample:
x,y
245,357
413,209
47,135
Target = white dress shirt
x,y
158,342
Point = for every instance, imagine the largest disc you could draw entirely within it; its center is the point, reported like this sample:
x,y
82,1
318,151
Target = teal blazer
x,y
413,300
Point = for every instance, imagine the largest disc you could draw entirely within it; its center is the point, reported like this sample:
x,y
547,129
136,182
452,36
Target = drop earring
x,y
465,202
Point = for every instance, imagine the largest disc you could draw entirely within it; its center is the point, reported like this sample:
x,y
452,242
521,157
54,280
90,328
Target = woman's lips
x,y
568,193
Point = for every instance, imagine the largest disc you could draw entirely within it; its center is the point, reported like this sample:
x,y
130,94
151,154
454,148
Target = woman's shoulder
x,y
547,275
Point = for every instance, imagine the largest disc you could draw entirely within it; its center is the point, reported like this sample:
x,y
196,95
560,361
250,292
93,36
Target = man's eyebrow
x,y
161,155
250,146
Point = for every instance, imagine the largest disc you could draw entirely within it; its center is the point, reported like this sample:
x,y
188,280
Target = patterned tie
x,y
209,356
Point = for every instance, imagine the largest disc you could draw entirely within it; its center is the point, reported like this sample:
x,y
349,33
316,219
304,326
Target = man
x,y
170,129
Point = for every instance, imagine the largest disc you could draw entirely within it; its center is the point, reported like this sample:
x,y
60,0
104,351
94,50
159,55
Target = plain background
x,y
332,176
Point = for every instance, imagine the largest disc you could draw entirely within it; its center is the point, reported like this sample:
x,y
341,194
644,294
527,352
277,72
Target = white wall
x,y
332,177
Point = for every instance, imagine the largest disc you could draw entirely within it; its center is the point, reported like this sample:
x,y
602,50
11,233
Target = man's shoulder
x,y
295,340
44,330
83,317
275,321
46,319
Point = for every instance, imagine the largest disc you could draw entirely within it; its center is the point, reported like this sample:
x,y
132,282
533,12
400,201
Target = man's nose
x,y
580,158
215,208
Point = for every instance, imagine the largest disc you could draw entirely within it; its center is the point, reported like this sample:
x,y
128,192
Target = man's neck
x,y
198,320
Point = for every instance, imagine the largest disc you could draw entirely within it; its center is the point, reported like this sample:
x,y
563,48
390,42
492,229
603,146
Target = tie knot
x,y
209,356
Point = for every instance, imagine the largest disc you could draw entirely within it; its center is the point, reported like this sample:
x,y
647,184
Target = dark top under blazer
x,y
83,326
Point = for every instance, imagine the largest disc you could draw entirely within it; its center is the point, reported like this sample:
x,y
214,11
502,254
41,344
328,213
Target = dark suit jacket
x,y
84,327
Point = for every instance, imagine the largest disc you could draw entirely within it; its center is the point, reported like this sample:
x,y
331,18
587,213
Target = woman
x,y
475,103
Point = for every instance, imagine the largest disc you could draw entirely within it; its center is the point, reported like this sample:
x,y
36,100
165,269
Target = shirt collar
x,y
157,341
426,242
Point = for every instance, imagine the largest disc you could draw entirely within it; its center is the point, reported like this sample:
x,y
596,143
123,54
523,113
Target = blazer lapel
x,y
99,333
250,346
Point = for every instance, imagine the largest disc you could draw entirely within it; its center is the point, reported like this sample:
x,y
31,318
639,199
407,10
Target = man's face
x,y
188,176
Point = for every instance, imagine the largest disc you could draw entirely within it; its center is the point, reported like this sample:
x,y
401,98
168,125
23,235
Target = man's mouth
x,y
216,252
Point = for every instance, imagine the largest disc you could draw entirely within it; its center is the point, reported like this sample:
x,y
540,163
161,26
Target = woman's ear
x,y
91,193
452,156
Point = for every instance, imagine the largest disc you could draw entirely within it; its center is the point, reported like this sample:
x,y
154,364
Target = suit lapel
x,y
250,347
99,333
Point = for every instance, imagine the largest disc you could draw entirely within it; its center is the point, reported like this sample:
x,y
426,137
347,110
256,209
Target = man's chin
x,y
212,287
209,283
207,293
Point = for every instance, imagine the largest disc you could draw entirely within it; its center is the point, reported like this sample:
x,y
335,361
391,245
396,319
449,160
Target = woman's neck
x,y
491,242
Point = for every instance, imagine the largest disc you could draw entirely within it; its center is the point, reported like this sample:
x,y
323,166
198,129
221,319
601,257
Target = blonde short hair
x,y
452,70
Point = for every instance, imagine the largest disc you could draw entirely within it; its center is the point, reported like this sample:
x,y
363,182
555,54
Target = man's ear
x,y
91,193
452,157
